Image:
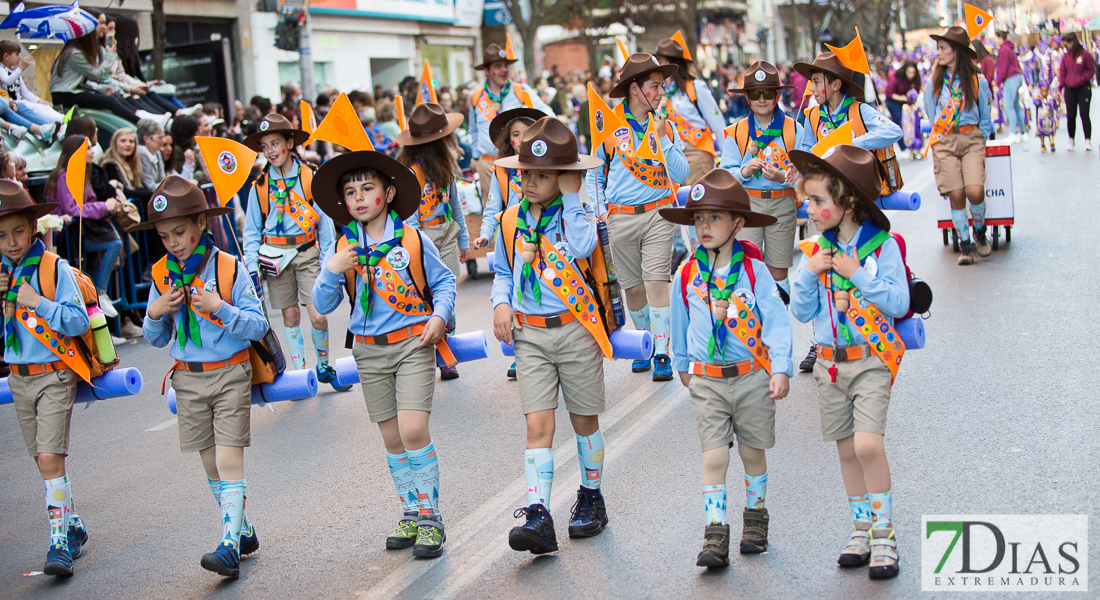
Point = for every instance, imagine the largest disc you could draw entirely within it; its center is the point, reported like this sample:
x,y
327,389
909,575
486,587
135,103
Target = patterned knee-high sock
x,y
958,218
662,323
231,500
590,450
977,211
882,509
756,488
714,503
539,467
216,488
59,507
403,480
424,465
861,507
640,318
320,344
297,346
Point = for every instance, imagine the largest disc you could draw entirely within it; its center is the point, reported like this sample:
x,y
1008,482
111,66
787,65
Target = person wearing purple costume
x,y
912,138
1046,118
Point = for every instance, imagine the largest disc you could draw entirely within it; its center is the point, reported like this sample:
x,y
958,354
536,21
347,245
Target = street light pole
x,y
305,55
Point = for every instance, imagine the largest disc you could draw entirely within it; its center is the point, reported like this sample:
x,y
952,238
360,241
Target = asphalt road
x,y
995,416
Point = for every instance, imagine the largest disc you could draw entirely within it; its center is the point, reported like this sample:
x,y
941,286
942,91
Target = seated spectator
x,y
138,92
20,165
81,76
24,102
123,164
167,146
151,136
186,159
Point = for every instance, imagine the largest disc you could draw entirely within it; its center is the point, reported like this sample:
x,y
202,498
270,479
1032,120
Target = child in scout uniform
x,y
507,129
43,376
499,94
212,374
852,283
541,302
838,98
630,190
282,222
690,108
732,345
755,151
958,99
402,296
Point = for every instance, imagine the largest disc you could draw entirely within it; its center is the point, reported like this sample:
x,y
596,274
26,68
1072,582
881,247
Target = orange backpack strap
x,y
47,275
261,196
349,276
226,270
789,131
502,183
814,117
855,117
508,232
689,89
159,273
307,181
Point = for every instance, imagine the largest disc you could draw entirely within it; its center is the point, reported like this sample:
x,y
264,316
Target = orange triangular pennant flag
x,y
976,20
228,164
840,135
509,51
399,102
75,174
622,48
853,55
342,127
650,147
603,120
678,37
309,120
427,88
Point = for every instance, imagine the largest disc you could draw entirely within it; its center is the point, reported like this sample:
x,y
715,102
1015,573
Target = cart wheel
x,y
471,268
954,240
996,237
945,234
1008,234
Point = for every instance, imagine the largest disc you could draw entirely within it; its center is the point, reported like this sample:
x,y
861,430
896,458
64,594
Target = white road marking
x,y
164,425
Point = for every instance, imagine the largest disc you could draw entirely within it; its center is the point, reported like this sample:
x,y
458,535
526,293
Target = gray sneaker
x,y
981,242
17,131
966,254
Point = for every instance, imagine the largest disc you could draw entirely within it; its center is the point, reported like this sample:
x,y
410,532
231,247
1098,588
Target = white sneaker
x,y
46,132
1088,145
195,110
1023,137
106,306
161,119
1071,145
17,131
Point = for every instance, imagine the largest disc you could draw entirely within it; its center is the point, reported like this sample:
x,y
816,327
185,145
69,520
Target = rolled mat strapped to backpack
x,y
630,344
899,200
116,383
288,385
472,345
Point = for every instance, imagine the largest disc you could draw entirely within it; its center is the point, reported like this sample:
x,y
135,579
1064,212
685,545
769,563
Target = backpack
x,y
740,133
599,279
306,175
888,169
750,249
85,342
266,355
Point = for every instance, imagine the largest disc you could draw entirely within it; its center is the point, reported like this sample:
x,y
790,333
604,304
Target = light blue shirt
x,y
734,161
887,289
489,223
976,114
706,115
456,213
65,315
881,131
328,292
254,230
480,140
620,186
573,233
243,321
691,323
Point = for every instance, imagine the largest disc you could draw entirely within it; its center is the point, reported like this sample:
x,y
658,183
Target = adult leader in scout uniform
x,y
499,94
283,226
209,339
631,191
691,108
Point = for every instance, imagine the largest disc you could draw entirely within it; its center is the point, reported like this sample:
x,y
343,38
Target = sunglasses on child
x,y
755,95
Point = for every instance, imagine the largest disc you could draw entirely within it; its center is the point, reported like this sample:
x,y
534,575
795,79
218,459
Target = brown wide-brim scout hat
x,y
328,195
13,199
493,53
761,75
718,190
957,36
639,65
428,123
275,123
855,167
549,146
671,48
504,120
177,197
827,62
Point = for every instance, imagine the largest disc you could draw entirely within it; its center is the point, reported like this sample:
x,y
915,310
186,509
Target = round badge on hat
x,y
829,153
697,191
160,203
760,75
538,148
398,257
654,59
227,162
264,125
502,54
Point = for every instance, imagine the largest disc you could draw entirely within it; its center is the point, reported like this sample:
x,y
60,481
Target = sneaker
x,y
48,133
662,368
1071,145
640,365
129,330
1024,137
448,373
966,257
224,561
59,563
1088,145
1044,148
194,111
429,537
537,534
1052,148
405,534
884,554
77,537
716,547
858,551
17,131
589,514
512,371
107,306
754,535
250,542
161,119
807,364
981,242
327,374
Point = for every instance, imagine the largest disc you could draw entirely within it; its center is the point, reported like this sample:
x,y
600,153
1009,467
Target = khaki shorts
x,y
728,406
567,357
214,407
484,177
294,285
959,160
395,377
775,241
44,405
857,401
700,163
641,246
445,238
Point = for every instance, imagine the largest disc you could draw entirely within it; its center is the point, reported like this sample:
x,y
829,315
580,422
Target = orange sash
x,y
63,346
303,214
941,127
430,197
491,109
744,324
655,176
702,139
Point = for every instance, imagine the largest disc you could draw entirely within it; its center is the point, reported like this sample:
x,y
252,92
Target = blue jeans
x,y
1012,104
111,251
13,117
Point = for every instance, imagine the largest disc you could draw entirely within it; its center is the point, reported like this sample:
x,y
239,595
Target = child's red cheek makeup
x,y
377,201
826,214
192,239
